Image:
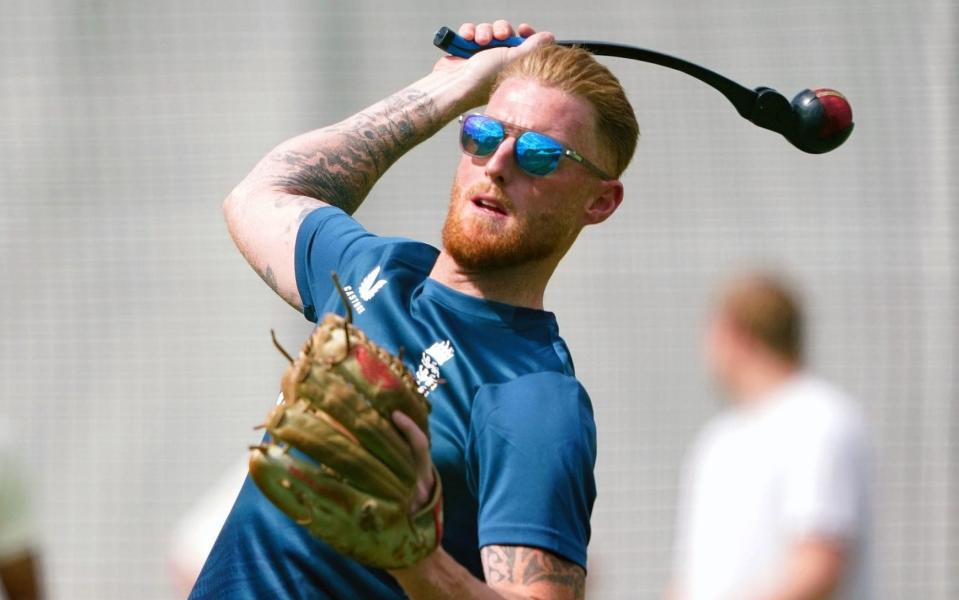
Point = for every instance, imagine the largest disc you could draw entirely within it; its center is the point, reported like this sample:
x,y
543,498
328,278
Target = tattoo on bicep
x,y
359,150
543,566
305,204
270,278
498,563
529,566
306,210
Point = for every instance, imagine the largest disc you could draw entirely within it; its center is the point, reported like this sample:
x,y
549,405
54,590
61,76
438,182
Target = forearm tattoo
x,y
343,167
529,566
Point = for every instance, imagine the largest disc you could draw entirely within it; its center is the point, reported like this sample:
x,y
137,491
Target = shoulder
x,y
716,433
813,405
341,233
721,426
545,405
817,424
329,241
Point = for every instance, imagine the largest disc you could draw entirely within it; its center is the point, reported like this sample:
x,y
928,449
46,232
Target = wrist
x,y
456,91
406,576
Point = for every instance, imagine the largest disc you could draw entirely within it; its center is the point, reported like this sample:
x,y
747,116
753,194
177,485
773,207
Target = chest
x,y
740,479
436,348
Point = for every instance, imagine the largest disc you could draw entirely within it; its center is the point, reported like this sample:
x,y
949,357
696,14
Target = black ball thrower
x,y
816,121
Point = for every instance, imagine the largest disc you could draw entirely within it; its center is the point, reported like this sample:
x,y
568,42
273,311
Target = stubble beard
x,y
485,244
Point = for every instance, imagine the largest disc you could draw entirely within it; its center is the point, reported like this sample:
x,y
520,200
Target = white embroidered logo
x,y
441,352
371,285
428,373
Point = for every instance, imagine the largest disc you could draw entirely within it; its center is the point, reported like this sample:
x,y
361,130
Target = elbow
x,y
229,206
829,581
232,212
232,205
817,568
229,211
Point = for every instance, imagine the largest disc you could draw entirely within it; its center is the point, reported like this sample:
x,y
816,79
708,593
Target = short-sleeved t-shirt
x,y
512,429
763,477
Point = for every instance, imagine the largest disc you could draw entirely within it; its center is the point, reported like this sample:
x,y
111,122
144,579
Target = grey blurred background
x,y
134,340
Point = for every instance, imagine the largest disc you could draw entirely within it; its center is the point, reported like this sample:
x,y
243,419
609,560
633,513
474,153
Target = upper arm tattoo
x,y
270,278
353,154
517,567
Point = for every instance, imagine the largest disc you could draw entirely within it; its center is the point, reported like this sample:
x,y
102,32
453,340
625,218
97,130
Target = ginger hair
x,y
766,310
577,72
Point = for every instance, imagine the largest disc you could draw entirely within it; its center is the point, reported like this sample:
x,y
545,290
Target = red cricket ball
x,y
824,120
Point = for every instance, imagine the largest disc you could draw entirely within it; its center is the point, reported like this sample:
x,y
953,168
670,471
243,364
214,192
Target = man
x,y
512,429
774,499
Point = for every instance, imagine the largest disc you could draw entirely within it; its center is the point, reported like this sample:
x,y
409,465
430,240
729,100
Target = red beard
x,y
481,243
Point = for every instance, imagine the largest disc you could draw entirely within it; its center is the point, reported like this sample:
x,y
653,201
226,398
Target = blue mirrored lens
x,y
538,154
481,135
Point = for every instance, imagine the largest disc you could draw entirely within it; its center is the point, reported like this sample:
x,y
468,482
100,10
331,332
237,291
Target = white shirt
x,y
761,477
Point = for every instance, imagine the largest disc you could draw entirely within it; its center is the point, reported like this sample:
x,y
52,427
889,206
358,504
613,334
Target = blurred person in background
x,y
196,531
774,501
19,572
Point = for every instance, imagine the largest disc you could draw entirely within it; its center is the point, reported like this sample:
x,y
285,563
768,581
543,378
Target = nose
x,y
500,165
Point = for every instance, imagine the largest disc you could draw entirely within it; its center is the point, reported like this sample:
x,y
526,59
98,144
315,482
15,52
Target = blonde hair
x,y
576,71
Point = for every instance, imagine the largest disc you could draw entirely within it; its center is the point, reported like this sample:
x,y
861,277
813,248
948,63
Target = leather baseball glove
x,y
351,480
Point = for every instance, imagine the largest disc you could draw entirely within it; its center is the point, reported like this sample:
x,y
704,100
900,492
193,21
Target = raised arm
x,y
339,164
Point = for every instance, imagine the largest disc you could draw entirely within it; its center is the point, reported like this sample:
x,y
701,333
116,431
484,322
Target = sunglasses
x,y
535,153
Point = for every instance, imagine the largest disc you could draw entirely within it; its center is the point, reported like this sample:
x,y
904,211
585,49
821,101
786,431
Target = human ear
x,y
604,202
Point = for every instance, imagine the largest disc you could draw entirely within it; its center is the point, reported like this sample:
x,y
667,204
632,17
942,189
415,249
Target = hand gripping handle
x,y
448,40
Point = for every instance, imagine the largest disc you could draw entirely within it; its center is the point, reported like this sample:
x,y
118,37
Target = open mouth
x,y
489,205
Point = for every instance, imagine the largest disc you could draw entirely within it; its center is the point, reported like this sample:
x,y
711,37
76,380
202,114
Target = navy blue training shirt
x,y
512,430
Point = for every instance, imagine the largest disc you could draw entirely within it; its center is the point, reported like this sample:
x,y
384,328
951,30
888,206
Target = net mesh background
x,y
135,352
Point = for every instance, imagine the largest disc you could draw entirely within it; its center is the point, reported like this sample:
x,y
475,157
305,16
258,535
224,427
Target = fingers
x,y
481,69
467,30
539,39
501,29
420,445
525,30
484,34
417,440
